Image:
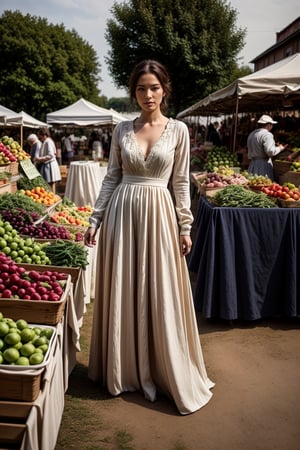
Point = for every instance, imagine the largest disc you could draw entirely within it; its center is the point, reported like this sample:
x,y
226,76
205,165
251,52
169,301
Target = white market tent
x,y
276,87
84,113
22,119
4,113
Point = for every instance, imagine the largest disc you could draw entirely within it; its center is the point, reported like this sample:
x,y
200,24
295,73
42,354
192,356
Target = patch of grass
x,y
123,439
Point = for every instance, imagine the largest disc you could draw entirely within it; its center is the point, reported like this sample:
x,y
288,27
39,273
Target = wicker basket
x,y
4,168
256,187
289,203
280,167
23,383
209,192
14,168
37,311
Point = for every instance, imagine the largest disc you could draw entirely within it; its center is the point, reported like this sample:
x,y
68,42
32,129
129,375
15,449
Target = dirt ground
x,y
256,401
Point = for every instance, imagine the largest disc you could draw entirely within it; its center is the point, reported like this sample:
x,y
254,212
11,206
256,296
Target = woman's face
x,y
149,92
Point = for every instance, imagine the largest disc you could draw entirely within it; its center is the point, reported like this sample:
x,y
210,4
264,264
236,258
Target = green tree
x,y
239,72
198,41
44,67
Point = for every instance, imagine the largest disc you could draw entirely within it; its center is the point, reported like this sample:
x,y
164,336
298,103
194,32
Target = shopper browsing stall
x,y
49,167
261,148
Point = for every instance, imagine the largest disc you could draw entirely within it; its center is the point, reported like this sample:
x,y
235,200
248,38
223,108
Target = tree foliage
x,y
198,41
44,67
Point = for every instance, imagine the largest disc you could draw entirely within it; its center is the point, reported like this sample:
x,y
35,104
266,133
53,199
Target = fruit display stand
x,y
35,424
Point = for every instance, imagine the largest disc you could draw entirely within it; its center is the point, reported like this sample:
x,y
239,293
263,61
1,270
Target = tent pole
x,y
21,136
235,122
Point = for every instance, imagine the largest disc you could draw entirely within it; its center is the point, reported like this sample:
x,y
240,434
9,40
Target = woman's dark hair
x,y
157,69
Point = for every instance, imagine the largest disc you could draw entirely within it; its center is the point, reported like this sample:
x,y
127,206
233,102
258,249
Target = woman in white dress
x,y
46,159
145,334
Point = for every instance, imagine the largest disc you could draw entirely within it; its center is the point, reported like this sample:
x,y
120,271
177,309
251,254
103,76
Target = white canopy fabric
x,y
22,119
25,120
275,87
84,113
4,113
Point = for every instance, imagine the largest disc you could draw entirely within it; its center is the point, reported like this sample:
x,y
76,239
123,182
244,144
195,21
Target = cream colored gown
x,y
145,334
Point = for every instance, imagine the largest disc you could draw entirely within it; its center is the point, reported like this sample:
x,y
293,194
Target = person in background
x,y
35,146
214,135
261,148
49,167
68,147
145,336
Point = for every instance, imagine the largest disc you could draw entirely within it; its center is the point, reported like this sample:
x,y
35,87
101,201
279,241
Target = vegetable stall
x,y
45,278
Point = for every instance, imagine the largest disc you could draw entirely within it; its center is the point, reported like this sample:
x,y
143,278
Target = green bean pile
x,y
234,196
67,253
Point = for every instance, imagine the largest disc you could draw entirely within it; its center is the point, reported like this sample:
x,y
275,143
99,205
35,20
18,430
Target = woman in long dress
x,y
145,334
46,159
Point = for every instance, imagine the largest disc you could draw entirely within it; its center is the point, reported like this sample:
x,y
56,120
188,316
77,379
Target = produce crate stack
x,y
26,354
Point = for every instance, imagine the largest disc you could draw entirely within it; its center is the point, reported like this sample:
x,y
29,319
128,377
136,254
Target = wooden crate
x,y
11,434
14,411
290,177
280,167
5,188
37,311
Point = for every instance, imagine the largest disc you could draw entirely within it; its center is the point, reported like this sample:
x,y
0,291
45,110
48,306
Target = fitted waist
x,y
146,181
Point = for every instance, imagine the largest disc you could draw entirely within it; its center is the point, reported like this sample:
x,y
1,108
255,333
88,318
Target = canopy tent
x,y
275,87
270,88
84,113
23,119
4,113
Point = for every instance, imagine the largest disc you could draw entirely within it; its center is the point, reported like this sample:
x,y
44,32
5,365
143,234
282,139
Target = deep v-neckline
x,y
146,157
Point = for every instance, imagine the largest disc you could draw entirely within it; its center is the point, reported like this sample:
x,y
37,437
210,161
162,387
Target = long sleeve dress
x,y
144,334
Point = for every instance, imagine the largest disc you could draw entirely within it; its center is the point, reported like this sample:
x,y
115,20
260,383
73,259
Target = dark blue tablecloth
x,y
247,262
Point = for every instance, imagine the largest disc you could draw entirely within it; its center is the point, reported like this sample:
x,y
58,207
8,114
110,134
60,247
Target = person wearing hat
x,y
261,148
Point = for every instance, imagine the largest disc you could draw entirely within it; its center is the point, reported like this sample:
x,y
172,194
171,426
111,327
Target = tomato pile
x,y
283,192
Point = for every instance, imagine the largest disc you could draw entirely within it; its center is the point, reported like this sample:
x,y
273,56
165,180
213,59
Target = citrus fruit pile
x,y
41,195
22,344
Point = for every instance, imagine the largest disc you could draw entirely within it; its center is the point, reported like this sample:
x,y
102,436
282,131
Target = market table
x,y
84,182
43,423
247,262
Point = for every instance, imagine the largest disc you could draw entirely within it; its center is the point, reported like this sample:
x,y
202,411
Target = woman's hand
x,y
89,237
185,244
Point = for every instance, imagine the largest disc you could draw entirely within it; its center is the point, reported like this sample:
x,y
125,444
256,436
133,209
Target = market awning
x,y
84,113
275,87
